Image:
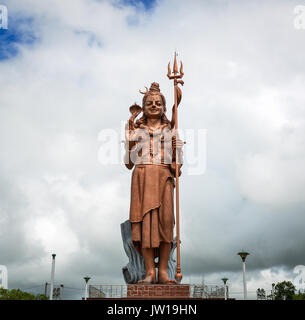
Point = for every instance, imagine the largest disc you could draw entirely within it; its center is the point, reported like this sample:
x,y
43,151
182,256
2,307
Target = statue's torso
x,y
152,146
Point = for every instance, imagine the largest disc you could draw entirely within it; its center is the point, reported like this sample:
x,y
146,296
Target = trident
x,y
177,93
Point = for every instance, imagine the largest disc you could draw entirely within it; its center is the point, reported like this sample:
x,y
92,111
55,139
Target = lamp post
x,y
52,276
225,285
272,292
86,286
61,289
243,255
46,288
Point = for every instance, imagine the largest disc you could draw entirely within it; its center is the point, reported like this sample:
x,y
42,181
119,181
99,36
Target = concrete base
x,y
157,291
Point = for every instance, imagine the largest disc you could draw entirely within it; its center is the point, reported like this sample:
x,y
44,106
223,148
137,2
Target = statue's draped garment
x,y
152,188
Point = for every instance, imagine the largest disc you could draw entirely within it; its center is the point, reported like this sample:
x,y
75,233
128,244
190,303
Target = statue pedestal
x,y
158,291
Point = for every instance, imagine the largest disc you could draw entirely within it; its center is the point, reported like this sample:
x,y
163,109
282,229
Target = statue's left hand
x,y
177,143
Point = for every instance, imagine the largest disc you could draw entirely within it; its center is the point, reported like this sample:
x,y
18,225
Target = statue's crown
x,y
154,87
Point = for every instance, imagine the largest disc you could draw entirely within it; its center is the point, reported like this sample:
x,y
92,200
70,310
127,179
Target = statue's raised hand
x,y
135,110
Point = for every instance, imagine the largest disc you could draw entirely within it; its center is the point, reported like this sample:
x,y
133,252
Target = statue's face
x,y
154,107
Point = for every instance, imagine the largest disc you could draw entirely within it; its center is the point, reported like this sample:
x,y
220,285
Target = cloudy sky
x,y
69,70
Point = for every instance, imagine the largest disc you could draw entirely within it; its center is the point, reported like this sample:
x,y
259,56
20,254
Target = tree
x,y
284,290
299,296
17,294
261,294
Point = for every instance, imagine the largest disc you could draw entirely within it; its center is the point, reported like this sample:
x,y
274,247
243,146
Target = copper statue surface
x,y
154,150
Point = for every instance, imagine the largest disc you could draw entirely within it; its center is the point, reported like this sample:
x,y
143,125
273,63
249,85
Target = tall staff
x,y
177,92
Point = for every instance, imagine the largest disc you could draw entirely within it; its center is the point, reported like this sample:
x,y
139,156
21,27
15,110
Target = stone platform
x,y
156,291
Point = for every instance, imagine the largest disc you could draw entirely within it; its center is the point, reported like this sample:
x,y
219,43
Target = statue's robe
x,y
152,189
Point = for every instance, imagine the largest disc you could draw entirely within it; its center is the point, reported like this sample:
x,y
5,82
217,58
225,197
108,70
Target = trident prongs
x,y
175,64
181,69
175,68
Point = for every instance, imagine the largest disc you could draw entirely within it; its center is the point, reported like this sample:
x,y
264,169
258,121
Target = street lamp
x,y
86,286
243,256
273,285
52,276
225,285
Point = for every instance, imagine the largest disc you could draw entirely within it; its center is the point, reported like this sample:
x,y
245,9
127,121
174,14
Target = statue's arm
x,y
127,160
129,145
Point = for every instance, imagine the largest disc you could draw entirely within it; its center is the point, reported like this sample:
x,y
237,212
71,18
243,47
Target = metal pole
x,y
178,274
225,286
61,290
52,276
244,279
176,76
243,255
46,289
86,286
86,291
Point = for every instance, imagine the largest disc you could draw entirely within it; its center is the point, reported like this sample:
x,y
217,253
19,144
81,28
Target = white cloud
x,y
244,83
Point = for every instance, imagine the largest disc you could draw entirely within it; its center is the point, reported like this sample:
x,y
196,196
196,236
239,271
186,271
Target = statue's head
x,y
153,104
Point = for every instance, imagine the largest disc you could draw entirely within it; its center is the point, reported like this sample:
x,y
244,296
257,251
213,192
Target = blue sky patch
x,y
140,5
20,32
145,4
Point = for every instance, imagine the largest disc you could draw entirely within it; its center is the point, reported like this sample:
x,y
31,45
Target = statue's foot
x,y
149,279
163,278
169,281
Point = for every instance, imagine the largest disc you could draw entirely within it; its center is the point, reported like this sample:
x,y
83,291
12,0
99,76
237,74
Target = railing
x,y
107,291
120,291
206,291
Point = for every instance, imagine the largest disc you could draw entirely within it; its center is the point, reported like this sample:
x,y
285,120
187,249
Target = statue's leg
x,y
148,254
163,278
167,221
